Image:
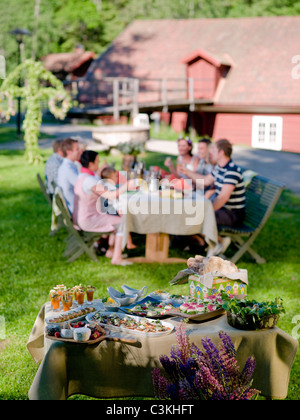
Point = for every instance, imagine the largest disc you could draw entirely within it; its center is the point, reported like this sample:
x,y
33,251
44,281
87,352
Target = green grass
x,y
31,263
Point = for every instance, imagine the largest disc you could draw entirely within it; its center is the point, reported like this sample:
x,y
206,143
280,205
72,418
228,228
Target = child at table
x,y
110,180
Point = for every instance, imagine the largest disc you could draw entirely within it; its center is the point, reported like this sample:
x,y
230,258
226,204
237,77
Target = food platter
x,y
106,336
200,310
73,315
131,324
206,316
151,308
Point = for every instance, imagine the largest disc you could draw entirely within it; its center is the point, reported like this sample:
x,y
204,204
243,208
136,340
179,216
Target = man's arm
x,y
223,197
194,176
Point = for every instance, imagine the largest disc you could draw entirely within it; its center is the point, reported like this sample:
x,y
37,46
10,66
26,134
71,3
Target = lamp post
x,y
19,34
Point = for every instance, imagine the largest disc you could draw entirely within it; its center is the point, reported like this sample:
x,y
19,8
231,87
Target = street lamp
x,y
19,34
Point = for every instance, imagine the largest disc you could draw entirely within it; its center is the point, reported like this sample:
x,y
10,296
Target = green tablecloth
x,y
113,369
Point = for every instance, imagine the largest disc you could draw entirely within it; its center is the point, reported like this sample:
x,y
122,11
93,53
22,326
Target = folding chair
x,y
262,195
44,190
78,242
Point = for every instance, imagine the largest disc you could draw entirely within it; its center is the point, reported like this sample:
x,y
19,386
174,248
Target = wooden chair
x,y
78,242
44,190
262,195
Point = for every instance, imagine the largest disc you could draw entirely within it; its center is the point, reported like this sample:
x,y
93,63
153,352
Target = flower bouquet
x,y
132,148
212,374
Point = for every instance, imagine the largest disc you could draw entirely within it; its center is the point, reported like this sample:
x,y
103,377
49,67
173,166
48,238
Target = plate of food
x,y
92,333
199,310
151,308
131,324
160,295
72,315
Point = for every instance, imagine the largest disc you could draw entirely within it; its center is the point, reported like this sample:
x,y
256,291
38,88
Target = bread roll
x,y
218,264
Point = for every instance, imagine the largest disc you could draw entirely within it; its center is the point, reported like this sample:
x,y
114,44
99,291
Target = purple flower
x,y
210,374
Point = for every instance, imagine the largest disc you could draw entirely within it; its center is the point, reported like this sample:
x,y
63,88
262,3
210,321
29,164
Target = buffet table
x,y
111,369
159,216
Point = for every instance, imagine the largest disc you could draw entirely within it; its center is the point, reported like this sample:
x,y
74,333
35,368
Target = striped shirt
x,y
231,174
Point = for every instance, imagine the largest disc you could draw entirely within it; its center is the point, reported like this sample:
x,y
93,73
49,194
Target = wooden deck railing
x,y
130,94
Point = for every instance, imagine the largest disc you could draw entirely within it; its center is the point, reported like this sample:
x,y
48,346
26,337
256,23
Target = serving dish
x,y
122,299
131,324
206,316
104,335
151,308
72,315
130,291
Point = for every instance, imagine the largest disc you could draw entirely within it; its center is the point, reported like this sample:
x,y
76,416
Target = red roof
x,y
260,50
67,62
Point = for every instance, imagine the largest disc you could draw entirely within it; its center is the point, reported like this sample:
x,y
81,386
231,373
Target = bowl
x,y
66,333
82,334
140,293
121,298
248,323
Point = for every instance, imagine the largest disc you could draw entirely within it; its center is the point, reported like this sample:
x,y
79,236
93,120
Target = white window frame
x,y
262,132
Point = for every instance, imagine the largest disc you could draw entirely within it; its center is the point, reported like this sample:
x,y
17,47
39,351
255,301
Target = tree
x,y
39,85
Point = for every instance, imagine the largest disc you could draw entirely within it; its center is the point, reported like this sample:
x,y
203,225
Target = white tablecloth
x,y
150,213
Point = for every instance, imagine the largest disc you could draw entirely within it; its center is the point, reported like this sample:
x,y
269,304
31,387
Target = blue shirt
x,y
231,174
66,179
51,170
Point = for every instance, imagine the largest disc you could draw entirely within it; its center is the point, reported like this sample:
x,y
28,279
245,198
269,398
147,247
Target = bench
x,y
262,195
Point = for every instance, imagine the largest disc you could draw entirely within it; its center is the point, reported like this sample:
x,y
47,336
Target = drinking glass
x,y
80,297
90,293
55,302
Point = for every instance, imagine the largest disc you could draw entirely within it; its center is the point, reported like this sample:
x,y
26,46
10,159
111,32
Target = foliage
x,y
39,85
256,310
210,375
133,148
62,24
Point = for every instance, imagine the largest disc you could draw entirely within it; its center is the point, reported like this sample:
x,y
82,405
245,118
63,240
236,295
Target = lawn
x,y
31,263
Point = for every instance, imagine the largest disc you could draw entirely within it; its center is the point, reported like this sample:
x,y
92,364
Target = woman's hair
x,y
87,157
189,142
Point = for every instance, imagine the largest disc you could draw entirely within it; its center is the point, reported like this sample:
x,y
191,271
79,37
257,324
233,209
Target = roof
x,y
260,50
67,62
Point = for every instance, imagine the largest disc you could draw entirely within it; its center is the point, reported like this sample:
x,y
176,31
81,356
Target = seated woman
x,y
186,159
86,215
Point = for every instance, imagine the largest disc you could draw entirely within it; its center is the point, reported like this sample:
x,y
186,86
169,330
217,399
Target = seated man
x,y
52,165
205,166
68,172
228,193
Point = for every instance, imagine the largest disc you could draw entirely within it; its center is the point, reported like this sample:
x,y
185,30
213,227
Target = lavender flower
x,y
210,374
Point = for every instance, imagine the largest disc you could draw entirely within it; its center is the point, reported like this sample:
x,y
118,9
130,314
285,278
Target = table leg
x,y
157,250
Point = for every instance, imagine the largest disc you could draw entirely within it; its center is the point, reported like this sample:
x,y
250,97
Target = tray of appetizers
x,y
84,334
199,310
130,323
150,307
75,314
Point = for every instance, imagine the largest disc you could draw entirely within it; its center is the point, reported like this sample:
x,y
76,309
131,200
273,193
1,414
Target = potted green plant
x,y
247,314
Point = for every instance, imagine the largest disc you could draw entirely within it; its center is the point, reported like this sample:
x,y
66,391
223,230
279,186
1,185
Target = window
x,y
267,132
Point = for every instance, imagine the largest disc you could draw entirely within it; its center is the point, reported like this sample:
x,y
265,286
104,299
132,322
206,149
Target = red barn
x,y
243,75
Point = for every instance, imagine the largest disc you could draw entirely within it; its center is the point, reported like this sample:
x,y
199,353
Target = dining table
x,y
123,366
161,214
